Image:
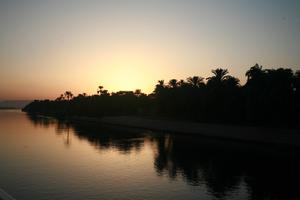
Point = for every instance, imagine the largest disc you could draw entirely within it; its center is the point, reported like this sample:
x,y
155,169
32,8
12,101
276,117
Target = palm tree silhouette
x,y
60,98
232,82
195,81
159,86
100,88
254,72
219,75
161,82
68,95
173,83
268,96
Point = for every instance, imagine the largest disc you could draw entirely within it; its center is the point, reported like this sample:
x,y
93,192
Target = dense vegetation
x,y
269,96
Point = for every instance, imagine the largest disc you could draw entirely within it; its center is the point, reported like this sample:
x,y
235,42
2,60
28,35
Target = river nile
x,y
44,158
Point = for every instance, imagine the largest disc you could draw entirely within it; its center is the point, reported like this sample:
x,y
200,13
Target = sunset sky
x,y
50,46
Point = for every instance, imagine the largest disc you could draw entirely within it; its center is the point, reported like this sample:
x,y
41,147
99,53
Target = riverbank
x,y
275,136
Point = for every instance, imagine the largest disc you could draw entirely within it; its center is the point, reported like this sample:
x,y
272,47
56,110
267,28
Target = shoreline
x,y
267,135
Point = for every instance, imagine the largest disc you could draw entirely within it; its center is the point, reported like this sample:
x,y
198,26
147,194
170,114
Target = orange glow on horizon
x,y
51,47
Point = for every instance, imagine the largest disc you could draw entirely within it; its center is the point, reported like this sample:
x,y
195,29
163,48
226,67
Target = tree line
x,y
269,96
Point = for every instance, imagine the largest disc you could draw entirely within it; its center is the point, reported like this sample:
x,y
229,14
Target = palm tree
x,y
81,96
100,88
173,83
68,95
60,98
232,82
254,72
182,84
161,82
159,86
219,75
195,81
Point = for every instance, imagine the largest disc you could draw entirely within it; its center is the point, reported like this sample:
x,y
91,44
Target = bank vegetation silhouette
x,y
269,96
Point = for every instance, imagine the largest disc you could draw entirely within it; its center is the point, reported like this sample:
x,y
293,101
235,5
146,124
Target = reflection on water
x,y
184,167
101,137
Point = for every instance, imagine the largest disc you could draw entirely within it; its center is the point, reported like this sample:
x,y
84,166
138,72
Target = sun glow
x,y
126,77
51,47
126,69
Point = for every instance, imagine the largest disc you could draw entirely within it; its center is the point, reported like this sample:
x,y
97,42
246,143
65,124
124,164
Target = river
x,y
45,158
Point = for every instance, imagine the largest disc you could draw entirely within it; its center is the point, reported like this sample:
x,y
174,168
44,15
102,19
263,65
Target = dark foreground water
x,y
42,158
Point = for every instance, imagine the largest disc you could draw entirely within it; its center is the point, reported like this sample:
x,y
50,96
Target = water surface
x,y
44,158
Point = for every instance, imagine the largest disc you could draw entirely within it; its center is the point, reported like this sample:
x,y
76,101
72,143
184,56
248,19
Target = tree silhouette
x,y
297,82
269,97
254,72
100,88
68,95
232,82
173,83
60,98
219,76
196,81
137,92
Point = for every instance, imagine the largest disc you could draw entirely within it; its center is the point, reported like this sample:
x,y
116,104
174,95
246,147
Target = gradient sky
x,y
48,47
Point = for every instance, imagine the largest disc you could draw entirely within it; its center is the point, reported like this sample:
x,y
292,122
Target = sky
x,y
51,46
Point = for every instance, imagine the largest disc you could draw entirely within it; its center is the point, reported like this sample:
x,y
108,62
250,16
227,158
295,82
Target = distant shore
x,y
274,136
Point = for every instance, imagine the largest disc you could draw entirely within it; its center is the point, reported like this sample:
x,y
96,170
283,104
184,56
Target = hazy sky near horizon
x,y
50,46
